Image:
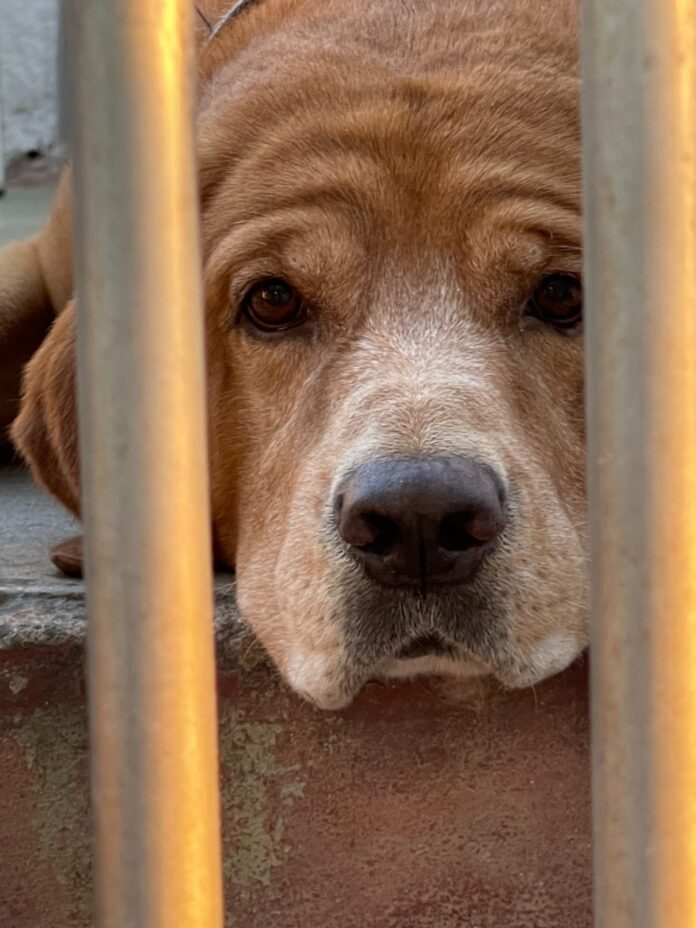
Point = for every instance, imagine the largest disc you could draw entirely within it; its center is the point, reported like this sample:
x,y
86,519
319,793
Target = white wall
x,y
28,95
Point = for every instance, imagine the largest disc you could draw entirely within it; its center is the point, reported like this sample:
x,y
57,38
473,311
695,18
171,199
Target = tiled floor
x,y
23,210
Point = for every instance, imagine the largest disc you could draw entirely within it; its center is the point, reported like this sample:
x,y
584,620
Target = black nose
x,y
421,521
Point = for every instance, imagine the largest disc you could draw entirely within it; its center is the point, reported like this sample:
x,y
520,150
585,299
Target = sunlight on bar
x,y
144,465
640,197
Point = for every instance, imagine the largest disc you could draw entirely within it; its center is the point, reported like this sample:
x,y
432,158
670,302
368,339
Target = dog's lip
x,y
412,658
332,702
429,644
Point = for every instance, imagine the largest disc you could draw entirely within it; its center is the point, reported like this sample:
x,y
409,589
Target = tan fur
x,y
35,285
414,170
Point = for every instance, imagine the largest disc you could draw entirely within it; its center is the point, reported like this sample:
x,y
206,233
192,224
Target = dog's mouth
x,y
429,645
433,655
404,636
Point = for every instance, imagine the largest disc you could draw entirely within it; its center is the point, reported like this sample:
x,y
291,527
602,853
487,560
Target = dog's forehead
x,y
458,66
408,157
336,154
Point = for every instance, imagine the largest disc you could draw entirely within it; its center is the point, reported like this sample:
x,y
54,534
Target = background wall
x,y
28,58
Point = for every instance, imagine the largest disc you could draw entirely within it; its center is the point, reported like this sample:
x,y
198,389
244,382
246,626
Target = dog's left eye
x,y
273,305
558,300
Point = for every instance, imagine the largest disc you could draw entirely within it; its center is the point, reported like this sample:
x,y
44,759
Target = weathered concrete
x,y
23,209
424,805
28,74
38,606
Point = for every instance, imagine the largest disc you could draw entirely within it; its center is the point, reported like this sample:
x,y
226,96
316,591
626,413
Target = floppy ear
x,y
45,432
25,315
35,285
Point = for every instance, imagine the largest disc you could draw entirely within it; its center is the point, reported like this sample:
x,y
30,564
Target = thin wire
x,y
237,7
205,19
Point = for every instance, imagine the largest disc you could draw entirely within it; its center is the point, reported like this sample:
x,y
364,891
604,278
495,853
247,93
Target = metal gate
x,y
150,646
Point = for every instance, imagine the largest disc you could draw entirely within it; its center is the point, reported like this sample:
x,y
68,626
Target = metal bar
x,y
639,71
2,133
144,468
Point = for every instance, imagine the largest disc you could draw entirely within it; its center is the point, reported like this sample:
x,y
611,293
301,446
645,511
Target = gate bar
x,y
639,63
144,465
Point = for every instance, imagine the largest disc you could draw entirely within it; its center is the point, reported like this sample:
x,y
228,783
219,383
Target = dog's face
x,y
391,229
392,271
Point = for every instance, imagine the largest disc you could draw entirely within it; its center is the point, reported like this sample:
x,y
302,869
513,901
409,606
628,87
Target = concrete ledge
x,y
38,605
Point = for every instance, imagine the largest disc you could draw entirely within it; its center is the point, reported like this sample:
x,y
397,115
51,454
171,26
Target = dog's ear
x,y
45,432
25,316
35,285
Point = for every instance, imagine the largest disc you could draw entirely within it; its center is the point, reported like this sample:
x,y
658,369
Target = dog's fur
x,y
413,168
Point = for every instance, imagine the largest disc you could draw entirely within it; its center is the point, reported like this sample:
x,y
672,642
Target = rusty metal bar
x,y
639,72
144,468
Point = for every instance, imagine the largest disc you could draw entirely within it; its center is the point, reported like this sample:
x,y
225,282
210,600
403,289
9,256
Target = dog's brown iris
x,y
273,305
558,300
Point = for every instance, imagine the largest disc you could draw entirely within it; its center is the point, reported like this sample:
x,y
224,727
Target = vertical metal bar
x,y
639,63
2,129
144,469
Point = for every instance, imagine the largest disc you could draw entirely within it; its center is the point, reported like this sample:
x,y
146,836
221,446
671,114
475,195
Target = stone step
x,y
424,804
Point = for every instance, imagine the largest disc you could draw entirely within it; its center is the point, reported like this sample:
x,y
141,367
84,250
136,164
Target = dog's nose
x,y
421,521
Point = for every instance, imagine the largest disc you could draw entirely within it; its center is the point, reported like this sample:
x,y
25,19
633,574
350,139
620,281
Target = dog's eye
x,y
558,300
273,305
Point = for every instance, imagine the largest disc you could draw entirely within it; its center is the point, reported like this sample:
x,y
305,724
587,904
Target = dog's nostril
x,y
369,532
384,533
463,530
454,533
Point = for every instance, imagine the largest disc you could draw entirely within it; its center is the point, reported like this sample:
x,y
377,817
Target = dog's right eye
x,y
273,305
558,300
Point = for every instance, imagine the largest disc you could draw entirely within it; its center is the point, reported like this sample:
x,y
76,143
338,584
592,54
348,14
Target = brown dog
x,y
391,222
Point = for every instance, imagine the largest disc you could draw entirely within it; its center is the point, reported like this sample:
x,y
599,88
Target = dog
x,y
391,223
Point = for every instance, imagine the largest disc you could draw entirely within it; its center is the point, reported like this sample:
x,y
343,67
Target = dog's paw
x,y
67,556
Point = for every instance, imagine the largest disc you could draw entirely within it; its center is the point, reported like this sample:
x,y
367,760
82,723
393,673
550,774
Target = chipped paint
x,y
252,777
17,682
413,807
